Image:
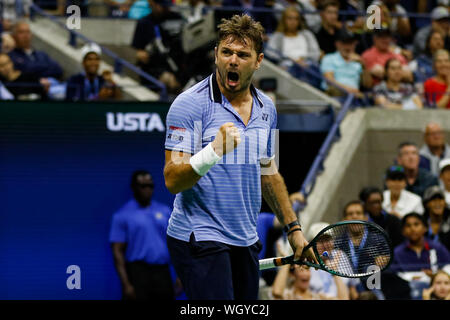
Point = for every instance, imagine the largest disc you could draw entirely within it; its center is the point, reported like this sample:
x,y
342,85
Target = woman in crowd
x,y
422,66
293,283
439,288
397,200
392,93
437,88
293,41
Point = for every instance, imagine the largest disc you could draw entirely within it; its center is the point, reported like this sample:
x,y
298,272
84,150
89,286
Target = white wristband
x,y
202,161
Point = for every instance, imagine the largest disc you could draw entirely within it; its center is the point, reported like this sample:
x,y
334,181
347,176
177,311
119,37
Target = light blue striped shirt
x,y
224,204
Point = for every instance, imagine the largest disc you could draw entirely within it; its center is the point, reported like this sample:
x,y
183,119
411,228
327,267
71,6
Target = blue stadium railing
x,y
119,63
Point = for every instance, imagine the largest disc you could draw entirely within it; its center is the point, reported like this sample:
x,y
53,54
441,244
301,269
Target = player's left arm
x,y
275,193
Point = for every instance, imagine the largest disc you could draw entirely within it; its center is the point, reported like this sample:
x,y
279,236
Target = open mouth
x,y
233,78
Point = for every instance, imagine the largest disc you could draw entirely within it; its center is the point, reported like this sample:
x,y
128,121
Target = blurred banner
x,y
65,168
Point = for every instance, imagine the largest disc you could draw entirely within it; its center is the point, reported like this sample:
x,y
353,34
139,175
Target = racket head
x,y
335,255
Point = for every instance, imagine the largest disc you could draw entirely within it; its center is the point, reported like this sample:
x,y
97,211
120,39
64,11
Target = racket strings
x,y
354,249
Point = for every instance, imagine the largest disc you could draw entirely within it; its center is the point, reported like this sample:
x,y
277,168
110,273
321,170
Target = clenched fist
x,y
227,139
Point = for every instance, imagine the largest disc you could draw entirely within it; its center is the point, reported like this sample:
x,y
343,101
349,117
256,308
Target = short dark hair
x,y
242,27
406,144
366,192
352,202
395,172
416,215
387,65
327,3
138,173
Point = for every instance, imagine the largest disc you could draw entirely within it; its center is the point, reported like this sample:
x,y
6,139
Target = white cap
x,y
444,163
90,47
314,229
439,13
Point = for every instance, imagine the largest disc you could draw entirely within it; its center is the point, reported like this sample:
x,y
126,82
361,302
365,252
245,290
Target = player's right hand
x,y
298,242
227,139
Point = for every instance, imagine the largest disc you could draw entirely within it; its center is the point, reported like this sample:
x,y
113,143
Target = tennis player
x,y
219,160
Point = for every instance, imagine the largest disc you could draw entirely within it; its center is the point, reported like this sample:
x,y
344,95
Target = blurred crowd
x,y
398,59
413,207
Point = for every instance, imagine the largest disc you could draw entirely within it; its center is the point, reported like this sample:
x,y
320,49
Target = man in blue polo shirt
x,y
138,240
219,161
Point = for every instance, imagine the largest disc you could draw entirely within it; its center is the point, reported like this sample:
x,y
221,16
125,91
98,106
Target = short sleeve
x,y
326,65
118,232
182,119
272,139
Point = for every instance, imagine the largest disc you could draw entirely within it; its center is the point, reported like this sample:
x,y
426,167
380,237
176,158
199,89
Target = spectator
x,y
90,85
376,57
439,287
267,18
397,200
417,179
7,43
354,210
118,8
327,34
138,241
192,10
354,242
54,7
435,149
266,223
13,11
28,60
23,86
392,93
313,20
416,258
415,252
366,32
323,282
372,198
300,288
444,168
437,90
437,215
158,43
269,230
440,22
399,25
344,67
139,9
422,65
293,41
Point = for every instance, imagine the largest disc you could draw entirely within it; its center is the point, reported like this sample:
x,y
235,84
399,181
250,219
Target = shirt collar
x,y
426,245
216,95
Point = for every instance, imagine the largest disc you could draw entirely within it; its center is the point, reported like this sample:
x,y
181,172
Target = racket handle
x,y
274,262
267,264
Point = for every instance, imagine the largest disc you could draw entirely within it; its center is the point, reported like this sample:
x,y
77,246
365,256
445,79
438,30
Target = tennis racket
x,y
351,249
